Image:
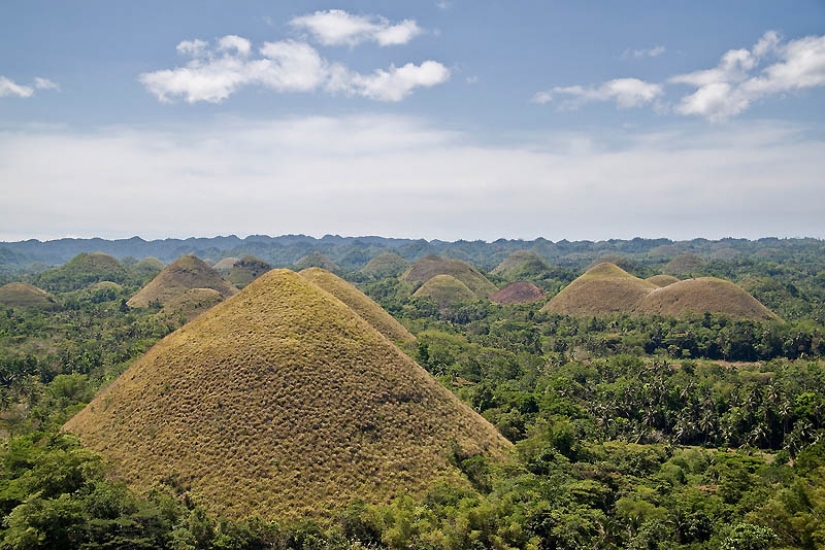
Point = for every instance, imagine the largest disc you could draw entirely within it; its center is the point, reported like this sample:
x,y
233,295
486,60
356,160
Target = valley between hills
x,y
293,392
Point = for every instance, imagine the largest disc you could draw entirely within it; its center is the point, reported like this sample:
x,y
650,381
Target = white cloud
x,y
286,66
655,51
732,86
338,27
405,177
45,84
9,88
625,92
443,5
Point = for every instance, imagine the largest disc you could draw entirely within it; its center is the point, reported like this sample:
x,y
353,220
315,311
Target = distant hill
x,y
386,264
83,270
282,402
518,292
519,264
316,259
177,278
363,305
246,270
147,268
445,290
224,265
428,267
684,264
191,303
604,289
23,295
705,294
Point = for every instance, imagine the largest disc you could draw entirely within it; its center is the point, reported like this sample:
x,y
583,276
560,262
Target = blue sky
x,y
452,119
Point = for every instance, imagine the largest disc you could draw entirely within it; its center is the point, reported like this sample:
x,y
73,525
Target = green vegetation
x,y
316,259
521,264
640,430
445,290
83,270
386,264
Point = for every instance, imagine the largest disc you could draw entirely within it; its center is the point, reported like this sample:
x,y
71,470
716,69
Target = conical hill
x,y
184,274
83,270
428,267
24,295
662,280
603,289
316,259
362,304
519,292
705,294
246,270
446,290
282,401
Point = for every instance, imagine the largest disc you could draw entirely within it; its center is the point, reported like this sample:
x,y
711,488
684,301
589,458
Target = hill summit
x,y
282,401
428,267
24,295
605,288
186,273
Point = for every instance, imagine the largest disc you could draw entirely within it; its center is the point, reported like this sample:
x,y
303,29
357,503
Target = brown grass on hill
x,y
386,264
428,267
521,263
24,295
519,292
705,294
316,259
223,266
282,402
604,289
246,270
662,280
684,264
362,304
191,303
445,290
186,273
149,263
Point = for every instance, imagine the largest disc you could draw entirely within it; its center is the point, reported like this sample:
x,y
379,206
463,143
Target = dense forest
x,y
630,431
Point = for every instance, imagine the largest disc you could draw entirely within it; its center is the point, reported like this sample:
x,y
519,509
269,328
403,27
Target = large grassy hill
x,y
386,264
23,295
246,270
603,289
521,263
81,271
519,292
179,277
445,290
705,294
282,401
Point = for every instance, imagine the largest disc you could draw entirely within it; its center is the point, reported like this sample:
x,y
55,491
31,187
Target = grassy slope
x,y
316,259
603,289
701,295
281,401
362,304
446,290
518,292
192,303
426,268
224,265
26,296
186,273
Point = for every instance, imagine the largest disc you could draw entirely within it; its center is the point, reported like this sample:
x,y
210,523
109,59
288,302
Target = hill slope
x,y
83,270
662,280
519,292
428,267
446,290
362,304
604,289
281,401
186,273
701,295
24,295
316,259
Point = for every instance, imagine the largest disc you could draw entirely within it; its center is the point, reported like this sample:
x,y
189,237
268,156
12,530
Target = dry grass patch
x,y
224,265
684,264
246,270
386,264
705,294
445,290
662,280
185,274
282,401
316,259
362,304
